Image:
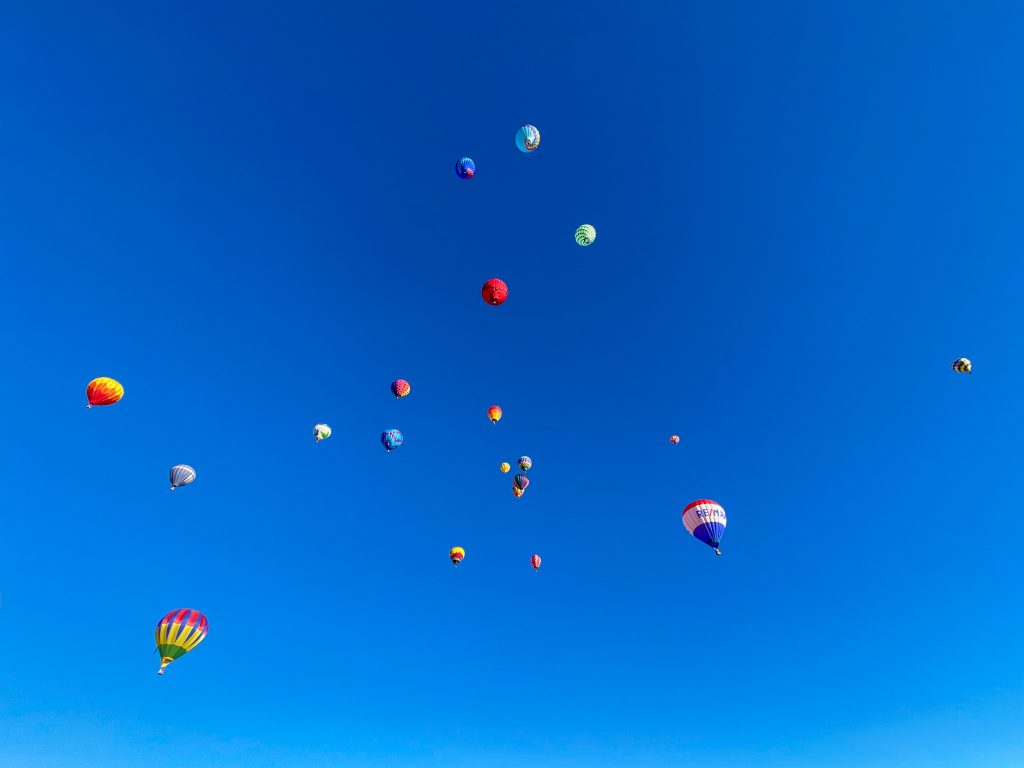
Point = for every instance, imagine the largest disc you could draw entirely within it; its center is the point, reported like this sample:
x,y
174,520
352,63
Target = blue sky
x,y
248,214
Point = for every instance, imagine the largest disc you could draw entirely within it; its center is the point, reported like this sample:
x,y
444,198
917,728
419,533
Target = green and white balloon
x,y
585,235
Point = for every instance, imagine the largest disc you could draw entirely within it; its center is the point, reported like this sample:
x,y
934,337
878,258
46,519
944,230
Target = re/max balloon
x,y
705,520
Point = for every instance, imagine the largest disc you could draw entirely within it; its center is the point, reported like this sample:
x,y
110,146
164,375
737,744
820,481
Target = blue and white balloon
x,y
705,520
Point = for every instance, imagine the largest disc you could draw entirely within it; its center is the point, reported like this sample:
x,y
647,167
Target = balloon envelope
x,y
585,235
391,439
705,520
505,467
520,481
525,462
179,632
674,439
535,562
400,388
494,292
103,391
465,168
455,554
527,138
494,414
321,432
962,365
181,474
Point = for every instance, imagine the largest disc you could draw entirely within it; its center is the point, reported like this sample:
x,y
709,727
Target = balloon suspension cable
x,y
718,552
160,671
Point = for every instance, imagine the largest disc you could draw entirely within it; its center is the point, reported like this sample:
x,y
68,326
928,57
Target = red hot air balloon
x,y
535,562
400,388
495,292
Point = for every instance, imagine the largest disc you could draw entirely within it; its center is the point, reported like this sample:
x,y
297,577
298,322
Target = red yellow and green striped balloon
x,y
178,633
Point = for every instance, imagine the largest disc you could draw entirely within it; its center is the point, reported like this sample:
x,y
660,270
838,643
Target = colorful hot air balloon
x,y
517,492
181,474
585,235
465,168
525,462
494,414
705,520
963,365
674,439
505,467
527,138
177,633
321,432
400,388
455,554
520,481
495,292
535,562
103,391
391,439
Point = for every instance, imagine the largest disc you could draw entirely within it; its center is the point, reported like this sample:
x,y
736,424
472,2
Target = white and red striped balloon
x,y
535,562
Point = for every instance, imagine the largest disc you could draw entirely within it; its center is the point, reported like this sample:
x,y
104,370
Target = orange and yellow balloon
x,y
494,414
455,554
178,633
505,467
103,391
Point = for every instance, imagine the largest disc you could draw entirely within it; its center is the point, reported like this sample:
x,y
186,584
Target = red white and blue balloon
x,y
705,520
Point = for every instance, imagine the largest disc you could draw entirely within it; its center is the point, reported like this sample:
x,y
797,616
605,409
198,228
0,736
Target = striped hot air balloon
x,y
455,554
177,633
103,391
519,482
535,562
962,365
525,462
494,414
181,474
705,520
527,138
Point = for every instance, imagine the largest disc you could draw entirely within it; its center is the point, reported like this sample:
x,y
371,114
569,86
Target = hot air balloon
x,y
494,414
505,467
674,439
525,462
391,439
177,633
321,432
103,391
527,138
535,562
465,168
520,482
455,554
705,520
585,235
400,388
495,292
181,474
963,365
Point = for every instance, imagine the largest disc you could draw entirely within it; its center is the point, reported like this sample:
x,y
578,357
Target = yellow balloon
x,y
505,466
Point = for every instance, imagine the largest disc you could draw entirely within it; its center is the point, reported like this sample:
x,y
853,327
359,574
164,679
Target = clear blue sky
x,y
248,214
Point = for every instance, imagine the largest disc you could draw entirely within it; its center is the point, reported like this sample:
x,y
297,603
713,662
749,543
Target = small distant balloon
x,y
455,554
494,414
495,292
465,168
391,439
527,138
103,391
962,365
505,467
525,462
674,439
182,474
321,432
400,388
535,562
585,235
